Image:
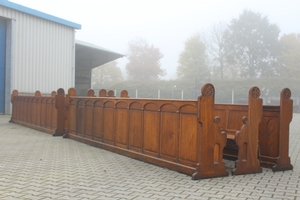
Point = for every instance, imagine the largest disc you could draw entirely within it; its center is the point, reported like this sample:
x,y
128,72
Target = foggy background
x,y
175,32
165,24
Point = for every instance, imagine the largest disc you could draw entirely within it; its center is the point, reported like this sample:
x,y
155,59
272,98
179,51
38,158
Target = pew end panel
x,y
274,134
212,140
247,138
60,112
240,124
13,97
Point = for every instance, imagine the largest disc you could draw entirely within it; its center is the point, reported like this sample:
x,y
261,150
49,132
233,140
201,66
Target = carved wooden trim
x,y
124,94
286,115
37,94
60,107
208,90
90,93
212,141
102,93
111,93
72,92
247,138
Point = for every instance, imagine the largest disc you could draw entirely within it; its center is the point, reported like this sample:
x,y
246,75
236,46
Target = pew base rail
x,y
182,168
35,127
231,153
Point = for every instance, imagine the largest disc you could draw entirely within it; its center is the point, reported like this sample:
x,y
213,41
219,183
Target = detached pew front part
x,y
37,112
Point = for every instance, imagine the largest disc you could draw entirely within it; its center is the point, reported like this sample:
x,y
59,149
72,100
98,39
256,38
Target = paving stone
x,y
174,195
282,197
157,196
230,197
35,165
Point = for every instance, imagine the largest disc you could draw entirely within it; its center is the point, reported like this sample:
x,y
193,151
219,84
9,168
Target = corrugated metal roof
x,y
39,14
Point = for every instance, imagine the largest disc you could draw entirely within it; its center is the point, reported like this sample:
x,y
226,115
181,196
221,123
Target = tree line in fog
x,y
248,47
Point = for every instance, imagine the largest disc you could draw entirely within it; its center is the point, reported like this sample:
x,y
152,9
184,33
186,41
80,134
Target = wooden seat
x,y
241,124
273,131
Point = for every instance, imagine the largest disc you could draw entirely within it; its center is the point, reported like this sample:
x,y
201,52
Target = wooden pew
x,y
177,134
241,124
273,132
37,112
180,135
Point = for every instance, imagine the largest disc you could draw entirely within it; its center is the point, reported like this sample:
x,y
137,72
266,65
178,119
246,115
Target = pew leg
x,y
283,164
247,164
216,170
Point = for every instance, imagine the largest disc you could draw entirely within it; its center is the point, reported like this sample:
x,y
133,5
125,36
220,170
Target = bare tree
x,y
214,42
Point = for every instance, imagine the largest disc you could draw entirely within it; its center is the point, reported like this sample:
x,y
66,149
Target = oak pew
x,y
192,144
180,135
37,112
240,122
273,131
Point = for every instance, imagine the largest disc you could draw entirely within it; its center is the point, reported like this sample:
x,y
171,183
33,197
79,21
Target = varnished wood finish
x,y
241,123
247,138
273,134
212,141
61,115
37,112
177,134
181,135
15,111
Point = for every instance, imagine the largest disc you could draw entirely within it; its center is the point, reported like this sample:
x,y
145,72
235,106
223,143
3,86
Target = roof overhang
x,y
39,14
89,56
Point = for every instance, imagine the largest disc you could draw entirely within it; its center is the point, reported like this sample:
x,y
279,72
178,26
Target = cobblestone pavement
x,y
35,165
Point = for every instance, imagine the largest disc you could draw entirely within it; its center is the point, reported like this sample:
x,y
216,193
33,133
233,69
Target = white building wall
x,y
43,53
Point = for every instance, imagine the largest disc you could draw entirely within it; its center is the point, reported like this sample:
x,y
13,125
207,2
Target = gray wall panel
x,y
42,53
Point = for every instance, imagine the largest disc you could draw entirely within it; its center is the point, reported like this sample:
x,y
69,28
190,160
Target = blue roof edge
x,y
37,13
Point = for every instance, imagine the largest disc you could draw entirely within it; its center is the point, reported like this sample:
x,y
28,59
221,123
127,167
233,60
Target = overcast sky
x,y
164,23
